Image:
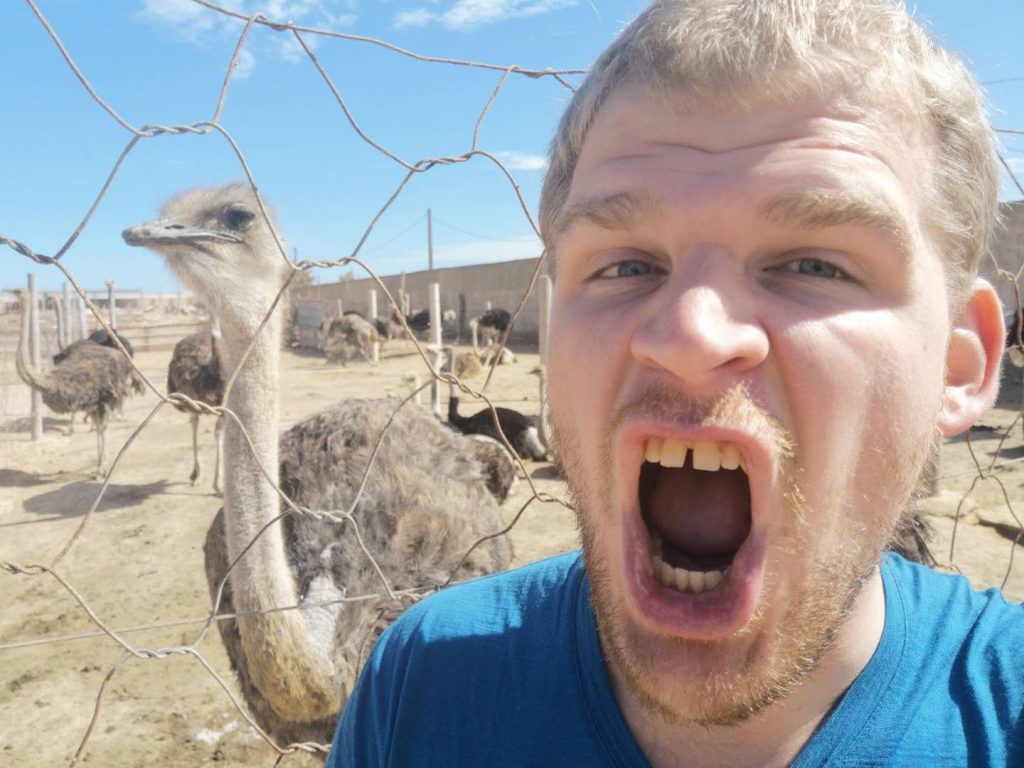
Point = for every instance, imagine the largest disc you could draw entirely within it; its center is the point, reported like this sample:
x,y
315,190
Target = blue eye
x,y
815,268
629,268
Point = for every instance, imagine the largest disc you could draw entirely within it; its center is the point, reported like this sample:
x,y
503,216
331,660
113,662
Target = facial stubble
x,y
729,681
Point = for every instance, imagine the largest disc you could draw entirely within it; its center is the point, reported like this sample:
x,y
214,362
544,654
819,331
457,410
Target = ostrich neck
x,y
298,679
23,363
250,501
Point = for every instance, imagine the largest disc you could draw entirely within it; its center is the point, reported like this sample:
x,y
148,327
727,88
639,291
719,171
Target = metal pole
x,y
33,351
435,341
545,318
113,304
430,242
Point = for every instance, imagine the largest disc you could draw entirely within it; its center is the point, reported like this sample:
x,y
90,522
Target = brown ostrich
x,y
425,502
195,371
95,380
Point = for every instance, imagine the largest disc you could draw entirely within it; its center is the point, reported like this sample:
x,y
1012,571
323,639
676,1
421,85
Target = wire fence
x,y
982,472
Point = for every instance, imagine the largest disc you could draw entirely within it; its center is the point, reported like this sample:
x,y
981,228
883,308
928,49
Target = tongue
x,y
700,513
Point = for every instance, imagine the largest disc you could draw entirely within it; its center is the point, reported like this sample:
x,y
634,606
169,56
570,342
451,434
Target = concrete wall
x,y
463,289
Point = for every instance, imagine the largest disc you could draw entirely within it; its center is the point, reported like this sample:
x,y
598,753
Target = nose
x,y
702,330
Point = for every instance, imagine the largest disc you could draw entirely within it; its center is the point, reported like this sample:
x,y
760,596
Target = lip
x,y
717,613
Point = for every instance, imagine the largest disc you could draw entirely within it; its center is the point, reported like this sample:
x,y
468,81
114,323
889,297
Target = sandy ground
x,y
138,566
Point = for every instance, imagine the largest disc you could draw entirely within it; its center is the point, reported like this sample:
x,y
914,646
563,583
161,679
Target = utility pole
x,y
430,242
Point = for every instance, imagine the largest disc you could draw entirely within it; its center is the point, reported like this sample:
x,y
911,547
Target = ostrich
x,y
95,379
100,337
349,336
195,371
424,507
493,324
518,428
494,350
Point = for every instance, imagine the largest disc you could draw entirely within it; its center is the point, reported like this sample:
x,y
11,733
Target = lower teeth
x,y
685,580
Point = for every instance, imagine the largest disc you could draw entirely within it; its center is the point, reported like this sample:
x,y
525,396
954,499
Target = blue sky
x,y
163,62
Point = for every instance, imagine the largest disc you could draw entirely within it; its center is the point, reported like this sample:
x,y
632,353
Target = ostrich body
x,y
518,428
195,371
424,506
348,337
100,337
494,350
95,380
493,324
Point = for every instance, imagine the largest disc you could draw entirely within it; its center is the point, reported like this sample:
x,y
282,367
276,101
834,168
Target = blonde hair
x,y
746,51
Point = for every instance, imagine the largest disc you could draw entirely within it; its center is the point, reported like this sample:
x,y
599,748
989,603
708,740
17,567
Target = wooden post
x,y
487,305
340,306
372,316
435,340
430,242
68,324
33,352
63,333
83,327
113,303
545,318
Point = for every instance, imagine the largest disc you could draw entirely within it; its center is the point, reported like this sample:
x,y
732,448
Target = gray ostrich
x,y
95,380
195,371
425,502
349,336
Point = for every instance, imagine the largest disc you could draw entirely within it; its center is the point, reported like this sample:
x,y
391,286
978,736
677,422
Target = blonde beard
x,y
728,682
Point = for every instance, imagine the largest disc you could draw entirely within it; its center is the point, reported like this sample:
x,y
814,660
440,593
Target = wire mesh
x,y
979,474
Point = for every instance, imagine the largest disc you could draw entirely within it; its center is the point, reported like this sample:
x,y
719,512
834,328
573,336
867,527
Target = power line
x,y
482,237
396,237
999,82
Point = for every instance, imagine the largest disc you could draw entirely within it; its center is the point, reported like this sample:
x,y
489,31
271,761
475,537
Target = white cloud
x,y
199,24
468,14
246,64
521,161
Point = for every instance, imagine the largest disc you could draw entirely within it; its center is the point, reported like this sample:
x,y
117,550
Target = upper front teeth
x,y
707,455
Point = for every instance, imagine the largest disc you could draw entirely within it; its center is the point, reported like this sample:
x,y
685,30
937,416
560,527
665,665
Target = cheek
x,y
865,393
588,355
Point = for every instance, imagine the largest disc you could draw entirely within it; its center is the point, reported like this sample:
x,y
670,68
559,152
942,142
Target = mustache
x,y
734,408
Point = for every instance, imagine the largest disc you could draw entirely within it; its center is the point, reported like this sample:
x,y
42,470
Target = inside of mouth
x,y
697,519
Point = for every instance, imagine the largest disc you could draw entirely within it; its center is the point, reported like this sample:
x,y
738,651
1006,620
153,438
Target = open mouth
x,y
695,503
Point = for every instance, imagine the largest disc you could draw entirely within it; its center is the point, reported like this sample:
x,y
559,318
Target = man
x,y
765,219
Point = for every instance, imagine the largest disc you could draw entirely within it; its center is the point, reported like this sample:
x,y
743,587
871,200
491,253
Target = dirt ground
x,y
138,565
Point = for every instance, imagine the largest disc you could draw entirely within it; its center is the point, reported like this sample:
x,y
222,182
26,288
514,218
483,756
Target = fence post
x,y
340,307
545,318
83,328
435,341
375,349
69,335
33,351
113,304
63,333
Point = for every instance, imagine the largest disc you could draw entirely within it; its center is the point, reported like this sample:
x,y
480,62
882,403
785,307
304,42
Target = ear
x,y
973,360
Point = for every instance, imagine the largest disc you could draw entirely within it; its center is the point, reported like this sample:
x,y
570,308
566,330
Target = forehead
x,y
662,145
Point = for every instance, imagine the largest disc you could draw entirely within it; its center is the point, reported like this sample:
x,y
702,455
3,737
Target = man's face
x,y
757,289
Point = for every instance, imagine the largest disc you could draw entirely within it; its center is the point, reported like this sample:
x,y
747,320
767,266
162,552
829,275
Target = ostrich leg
x,y
196,468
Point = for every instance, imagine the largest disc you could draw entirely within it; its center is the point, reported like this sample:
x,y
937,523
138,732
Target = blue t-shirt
x,y
507,671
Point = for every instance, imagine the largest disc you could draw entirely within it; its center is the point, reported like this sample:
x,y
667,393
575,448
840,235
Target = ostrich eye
x,y
239,217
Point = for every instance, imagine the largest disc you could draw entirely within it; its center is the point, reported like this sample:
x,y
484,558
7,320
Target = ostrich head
x,y
218,243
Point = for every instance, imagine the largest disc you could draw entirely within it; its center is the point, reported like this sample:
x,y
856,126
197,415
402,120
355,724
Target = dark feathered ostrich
x,y
195,371
424,506
94,379
100,337
520,430
493,323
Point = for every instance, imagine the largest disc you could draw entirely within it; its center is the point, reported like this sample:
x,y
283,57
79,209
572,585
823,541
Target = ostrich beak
x,y
165,232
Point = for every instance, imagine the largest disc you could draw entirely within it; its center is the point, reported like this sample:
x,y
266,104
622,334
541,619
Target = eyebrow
x,y
821,209
617,211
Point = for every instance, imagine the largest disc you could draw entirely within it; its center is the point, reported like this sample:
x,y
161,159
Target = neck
x,y
22,362
776,736
298,679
